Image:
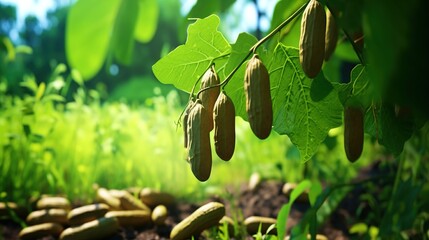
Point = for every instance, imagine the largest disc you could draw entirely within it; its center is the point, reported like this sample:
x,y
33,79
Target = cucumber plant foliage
x,y
304,109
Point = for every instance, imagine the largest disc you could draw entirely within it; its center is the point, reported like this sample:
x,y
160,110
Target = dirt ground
x,y
264,200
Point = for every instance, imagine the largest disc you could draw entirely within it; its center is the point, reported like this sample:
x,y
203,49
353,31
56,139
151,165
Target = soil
x,y
265,200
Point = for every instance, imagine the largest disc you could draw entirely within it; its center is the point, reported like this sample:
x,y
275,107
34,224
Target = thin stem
x,y
398,177
279,27
191,94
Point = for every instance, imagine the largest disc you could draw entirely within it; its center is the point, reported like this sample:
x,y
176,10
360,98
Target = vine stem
x,y
254,47
191,96
279,27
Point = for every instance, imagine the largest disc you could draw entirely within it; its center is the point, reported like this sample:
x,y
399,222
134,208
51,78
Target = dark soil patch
x,y
265,200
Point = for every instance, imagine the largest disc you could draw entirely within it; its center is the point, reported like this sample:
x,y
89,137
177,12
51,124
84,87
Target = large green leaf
x,y
396,48
95,27
304,109
185,64
123,32
147,20
391,131
88,32
284,211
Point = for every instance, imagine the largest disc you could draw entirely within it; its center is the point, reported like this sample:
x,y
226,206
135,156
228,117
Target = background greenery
x,y
80,105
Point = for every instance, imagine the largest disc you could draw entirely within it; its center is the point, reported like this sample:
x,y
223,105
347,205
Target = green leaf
x,y
96,27
396,50
60,68
23,49
358,228
359,91
234,89
88,31
284,211
315,190
30,83
185,64
40,91
77,77
391,131
304,109
54,98
147,21
123,31
331,203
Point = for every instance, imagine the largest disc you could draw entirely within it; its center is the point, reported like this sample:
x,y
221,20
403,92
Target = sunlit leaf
x,y
358,228
304,109
77,77
315,190
40,90
10,49
359,91
88,31
54,97
147,20
60,68
123,32
185,64
29,83
284,211
373,232
24,49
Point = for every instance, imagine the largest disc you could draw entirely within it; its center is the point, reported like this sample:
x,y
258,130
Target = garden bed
x,y
266,199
